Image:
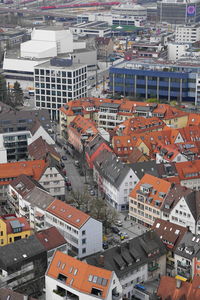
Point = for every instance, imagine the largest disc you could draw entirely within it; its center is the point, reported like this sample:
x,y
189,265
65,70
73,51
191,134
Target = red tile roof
x,y
39,149
34,168
188,290
68,213
158,185
50,238
170,233
79,275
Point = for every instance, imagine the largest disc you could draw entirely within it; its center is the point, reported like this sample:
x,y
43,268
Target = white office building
x,y
57,82
77,227
187,33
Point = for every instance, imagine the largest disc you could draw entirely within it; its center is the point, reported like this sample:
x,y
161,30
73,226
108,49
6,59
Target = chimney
x,y
178,283
25,297
101,260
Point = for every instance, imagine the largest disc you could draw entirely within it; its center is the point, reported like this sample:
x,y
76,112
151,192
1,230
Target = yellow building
x,y
178,121
13,229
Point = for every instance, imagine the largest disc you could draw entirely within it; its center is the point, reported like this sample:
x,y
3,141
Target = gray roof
x,y
192,200
16,253
39,198
141,168
7,294
144,108
173,197
110,104
23,184
25,119
94,144
189,243
130,255
111,168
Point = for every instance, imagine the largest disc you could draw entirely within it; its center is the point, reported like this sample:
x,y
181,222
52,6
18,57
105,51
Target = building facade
x,y
153,79
177,12
77,228
57,82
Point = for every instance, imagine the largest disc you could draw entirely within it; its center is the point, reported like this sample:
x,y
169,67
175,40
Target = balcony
x,y
153,267
184,266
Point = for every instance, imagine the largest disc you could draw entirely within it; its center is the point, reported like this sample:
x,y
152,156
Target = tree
x,y
15,96
99,210
80,199
3,90
18,94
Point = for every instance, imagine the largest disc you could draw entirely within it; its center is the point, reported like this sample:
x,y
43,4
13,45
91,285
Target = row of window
x,y
60,73
65,81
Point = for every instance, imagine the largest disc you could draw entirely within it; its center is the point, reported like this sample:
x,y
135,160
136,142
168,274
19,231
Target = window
x,y
83,241
83,232
83,250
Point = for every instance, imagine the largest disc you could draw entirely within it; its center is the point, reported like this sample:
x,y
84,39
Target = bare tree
x,y
102,212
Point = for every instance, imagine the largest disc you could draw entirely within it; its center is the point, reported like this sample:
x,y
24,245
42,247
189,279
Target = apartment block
x,y
77,228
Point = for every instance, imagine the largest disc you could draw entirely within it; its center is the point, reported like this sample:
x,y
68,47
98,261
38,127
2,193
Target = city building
x,y
28,198
115,180
105,47
171,235
187,33
94,148
70,278
96,28
134,262
40,149
10,171
77,228
176,288
13,229
57,82
176,50
186,256
80,132
156,79
44,43
185,211
146,199
18,129
177,12
22,264
52,240
6,293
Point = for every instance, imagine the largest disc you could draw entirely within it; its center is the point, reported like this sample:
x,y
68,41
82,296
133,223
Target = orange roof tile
x,y
193,119
159,185
34,168
80,275
188,170
188,290
68,213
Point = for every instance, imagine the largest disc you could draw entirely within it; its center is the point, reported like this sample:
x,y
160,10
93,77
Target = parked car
x,y
115,230
62,165
118,223
64,157
77,164
124,235
105,245
92,193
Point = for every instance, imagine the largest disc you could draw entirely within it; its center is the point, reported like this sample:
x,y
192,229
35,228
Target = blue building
x,y
156,79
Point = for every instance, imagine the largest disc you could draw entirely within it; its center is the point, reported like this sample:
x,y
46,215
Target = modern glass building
x,y
155,79
178,11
